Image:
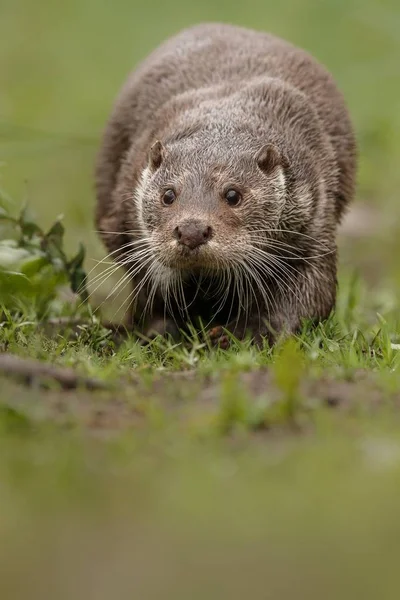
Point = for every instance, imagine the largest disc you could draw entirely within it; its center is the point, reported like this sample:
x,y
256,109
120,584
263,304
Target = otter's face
x,y
206,213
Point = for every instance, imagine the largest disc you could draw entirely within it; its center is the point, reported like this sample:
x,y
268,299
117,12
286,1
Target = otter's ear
x,y
269,157
156,155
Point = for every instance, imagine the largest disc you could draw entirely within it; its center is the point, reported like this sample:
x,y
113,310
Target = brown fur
x,y
231,107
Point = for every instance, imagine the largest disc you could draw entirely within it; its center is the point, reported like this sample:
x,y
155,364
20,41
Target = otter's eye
x,y
169,197
233,197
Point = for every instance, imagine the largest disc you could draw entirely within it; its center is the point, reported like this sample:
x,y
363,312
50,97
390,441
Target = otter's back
x,y
211,54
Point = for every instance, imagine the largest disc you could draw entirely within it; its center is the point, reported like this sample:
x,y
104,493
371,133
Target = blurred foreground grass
x,y
155,517
228,480
204,474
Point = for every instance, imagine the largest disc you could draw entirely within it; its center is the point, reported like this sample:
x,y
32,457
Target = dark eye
x,y
233,197
169,197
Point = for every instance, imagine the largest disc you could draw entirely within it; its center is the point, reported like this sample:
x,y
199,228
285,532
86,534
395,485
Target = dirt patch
x,y
38,372
184,397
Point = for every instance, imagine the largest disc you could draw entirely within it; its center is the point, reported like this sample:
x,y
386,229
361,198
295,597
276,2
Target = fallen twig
x,y
29,371
118,331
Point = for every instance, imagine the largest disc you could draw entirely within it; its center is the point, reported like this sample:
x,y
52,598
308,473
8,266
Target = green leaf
x,y
4,216
30,229
33,265
53,243
4,198
77,261
77,274
56,233
289,369
11,256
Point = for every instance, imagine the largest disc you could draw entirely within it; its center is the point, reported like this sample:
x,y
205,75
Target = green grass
x,y
197,474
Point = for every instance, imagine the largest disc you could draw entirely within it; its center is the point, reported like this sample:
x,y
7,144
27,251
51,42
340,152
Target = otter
x,y
223,173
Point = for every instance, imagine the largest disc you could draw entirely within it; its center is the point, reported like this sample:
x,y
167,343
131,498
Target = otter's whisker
x,y
137,289
289,249
243,296
290,232
129,276
130,244
285,279
282,260
102,277
222,302
253,274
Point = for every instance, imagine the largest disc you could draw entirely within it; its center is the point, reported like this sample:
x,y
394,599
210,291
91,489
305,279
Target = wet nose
x,y
192,234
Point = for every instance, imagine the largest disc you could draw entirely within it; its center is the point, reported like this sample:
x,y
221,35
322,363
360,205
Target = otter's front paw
x,y
160,327
218,338
254,332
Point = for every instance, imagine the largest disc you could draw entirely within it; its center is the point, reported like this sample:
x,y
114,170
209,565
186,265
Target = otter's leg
x,y
255,329
218,337
149,322
160,326
309,294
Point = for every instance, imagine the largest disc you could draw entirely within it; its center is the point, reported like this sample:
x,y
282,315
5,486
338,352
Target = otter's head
x,y
205,206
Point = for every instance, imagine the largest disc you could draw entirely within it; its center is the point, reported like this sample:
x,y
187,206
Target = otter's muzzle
x,y
192,234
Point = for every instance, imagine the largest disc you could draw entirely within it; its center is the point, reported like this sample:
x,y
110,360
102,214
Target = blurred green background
x,y
61,65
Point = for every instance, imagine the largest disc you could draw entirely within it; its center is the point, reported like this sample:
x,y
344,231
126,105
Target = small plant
x,y
238,410
289,370
33,264
233,408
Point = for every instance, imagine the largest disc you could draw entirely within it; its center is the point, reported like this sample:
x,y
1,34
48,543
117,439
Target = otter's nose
x,y
192,234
